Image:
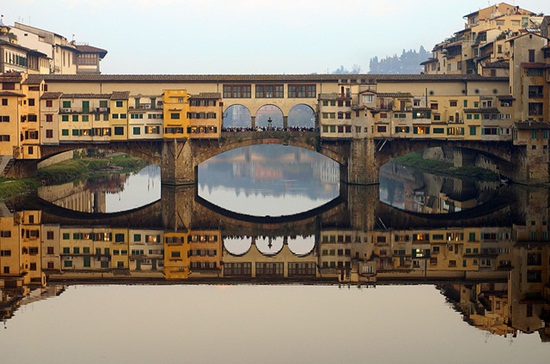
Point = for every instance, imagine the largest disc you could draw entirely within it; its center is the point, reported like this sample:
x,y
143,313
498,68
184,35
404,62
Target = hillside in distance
x,y
407,63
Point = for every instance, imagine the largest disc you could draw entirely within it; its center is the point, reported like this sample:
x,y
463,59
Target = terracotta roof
x,y
363,78
10,77
497,64
51,95
11,93
430,60
533,65
489,110
532,125
90,49
395,94
120,95
86,96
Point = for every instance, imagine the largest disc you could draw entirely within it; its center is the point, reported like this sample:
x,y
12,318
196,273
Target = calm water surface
x,y
364,280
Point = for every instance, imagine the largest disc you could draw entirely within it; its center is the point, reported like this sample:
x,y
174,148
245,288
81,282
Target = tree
x,y
407,63
355,69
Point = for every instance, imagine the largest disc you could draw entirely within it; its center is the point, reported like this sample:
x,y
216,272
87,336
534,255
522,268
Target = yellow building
x,y
119,115
11,99
176,111
176,255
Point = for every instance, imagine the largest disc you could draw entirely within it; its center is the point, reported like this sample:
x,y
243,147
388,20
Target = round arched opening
x,y
269,180
301,245
269,117
237,245
269,246
301,116
237,116
98,181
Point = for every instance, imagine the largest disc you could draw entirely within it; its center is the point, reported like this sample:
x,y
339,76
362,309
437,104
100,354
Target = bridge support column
x,y
253,121
177,163
531,165
363,205
363,168
177,207
285,122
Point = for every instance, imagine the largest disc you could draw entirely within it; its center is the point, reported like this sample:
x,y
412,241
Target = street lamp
x,y
269,121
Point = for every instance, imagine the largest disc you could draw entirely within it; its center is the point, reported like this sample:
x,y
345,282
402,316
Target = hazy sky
x,y
248,36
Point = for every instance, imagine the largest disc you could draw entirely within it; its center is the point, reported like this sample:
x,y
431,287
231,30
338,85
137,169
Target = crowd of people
x,y
238,129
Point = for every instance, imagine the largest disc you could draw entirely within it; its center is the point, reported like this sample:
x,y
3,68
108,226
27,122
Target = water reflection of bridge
x,y
491,262
356,208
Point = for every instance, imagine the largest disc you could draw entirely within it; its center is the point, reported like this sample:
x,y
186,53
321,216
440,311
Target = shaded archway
x,y
269,116
301,116
237,116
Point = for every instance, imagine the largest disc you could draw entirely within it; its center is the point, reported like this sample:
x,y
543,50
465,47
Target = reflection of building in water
x,y
498,277
327,170
85,196
269,258
408,189
262,172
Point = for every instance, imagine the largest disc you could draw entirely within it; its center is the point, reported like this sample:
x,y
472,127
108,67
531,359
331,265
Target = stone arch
x,y
237,116
149,151
302,115
307,140
498,152
269,115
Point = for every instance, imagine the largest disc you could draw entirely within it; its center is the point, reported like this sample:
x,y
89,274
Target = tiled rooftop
x,y
353,78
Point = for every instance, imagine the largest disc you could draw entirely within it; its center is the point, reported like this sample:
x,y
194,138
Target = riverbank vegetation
x,y
438,167
79,168
70,170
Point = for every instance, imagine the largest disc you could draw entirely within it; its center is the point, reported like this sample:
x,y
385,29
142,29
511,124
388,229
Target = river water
x,y
269,258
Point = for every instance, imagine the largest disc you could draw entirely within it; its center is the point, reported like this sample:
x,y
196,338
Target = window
x,y
119,130
49,133
4,102
5,119
174,116
301,91
66,104
269,91
31,102
236,91
137,130
119,104
531,55
75,117
535,108
536,91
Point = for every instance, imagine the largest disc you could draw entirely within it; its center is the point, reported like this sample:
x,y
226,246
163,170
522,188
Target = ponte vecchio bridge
x,y
361,121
